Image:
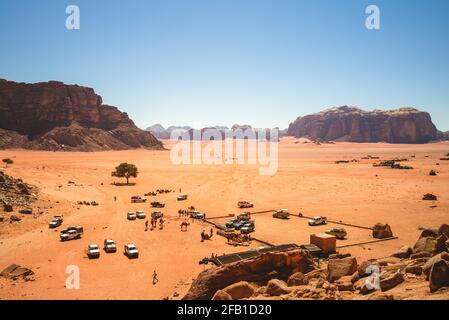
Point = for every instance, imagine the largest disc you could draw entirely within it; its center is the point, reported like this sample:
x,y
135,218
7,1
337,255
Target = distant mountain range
x,y
352,124
159,132
55,116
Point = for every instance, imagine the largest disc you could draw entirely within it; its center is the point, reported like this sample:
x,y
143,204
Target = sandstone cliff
x,y
405,125
55,116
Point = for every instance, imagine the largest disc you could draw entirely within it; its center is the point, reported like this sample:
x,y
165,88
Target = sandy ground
x,y
307,181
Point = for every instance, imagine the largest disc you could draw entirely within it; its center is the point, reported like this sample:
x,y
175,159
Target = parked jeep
x,y
109,246
132,216
93,251
140,214
138,199
244,204
316,221
197,215
248,228
55,222
157,204
281,214
182,197
131,251
339,233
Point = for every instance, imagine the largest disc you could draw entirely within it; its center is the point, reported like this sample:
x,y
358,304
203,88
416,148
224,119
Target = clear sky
x,y
220,62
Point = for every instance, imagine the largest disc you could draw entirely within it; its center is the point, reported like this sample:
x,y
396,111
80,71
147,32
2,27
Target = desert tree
x,y
7,161
125,170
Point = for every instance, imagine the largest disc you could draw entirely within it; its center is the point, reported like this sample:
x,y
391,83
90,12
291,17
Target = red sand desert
x,y
308,181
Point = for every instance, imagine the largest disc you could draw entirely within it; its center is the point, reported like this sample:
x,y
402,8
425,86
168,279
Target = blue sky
x,y
210,62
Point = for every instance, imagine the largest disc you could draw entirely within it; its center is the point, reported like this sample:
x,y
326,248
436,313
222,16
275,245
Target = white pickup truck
x,y
317,221
71,233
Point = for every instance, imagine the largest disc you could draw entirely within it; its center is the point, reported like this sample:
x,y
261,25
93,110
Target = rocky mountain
x,y
159,132
404,125
55,116
443,135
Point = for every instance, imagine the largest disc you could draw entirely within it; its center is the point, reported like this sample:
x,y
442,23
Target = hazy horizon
x,y
262,63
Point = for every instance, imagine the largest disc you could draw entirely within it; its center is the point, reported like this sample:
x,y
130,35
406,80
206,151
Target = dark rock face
x,y
262,268
405,125
54,116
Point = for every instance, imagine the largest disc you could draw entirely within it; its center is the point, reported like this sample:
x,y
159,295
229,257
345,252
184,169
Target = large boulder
x,y
380,296
403,253
7,207
260,269
439,275
428,265
337,268
429,233
382,231
276,287
426,244
297,279
364,286
391,281
440,244
430,197
240,290
444,229
221,295
366,268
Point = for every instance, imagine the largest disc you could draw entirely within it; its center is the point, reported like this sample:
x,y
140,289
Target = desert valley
x,y
330,168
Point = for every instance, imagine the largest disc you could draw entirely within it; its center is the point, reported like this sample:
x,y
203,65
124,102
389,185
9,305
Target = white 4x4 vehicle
x,y
71,233
109,246
131,251
140,214
93,251
132,216
316,221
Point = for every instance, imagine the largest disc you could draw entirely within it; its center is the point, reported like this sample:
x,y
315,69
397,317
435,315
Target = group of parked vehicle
x,y
243,223
109,246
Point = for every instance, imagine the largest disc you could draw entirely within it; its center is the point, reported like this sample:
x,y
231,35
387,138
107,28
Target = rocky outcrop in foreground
x,y
405,125
418,272
15,193
55,116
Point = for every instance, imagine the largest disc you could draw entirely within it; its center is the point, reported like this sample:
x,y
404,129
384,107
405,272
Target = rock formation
x,y
15,193
404,125
259,269
443,135
55,116
409,273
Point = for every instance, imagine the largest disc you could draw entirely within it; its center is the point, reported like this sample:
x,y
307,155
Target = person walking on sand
x,y
115,198
155,279
146,225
